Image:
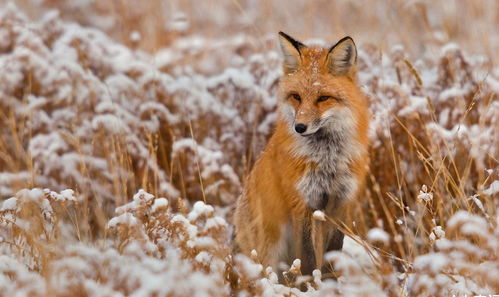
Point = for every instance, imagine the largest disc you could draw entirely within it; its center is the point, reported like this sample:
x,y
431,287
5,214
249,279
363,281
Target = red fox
x,y
316,158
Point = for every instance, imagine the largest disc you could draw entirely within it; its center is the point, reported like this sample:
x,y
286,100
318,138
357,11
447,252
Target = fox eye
x,y
323,98
296,97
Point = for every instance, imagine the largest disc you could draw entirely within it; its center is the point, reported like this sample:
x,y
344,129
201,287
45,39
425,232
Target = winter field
x,y
127,129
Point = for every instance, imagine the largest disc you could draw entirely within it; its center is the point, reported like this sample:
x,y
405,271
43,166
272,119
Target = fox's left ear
x,y
342,57
291,51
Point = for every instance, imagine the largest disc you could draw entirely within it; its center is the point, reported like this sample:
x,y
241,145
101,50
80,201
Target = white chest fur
x,y
330,181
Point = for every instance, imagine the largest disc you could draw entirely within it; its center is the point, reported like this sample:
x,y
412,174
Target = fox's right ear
x,y
291,52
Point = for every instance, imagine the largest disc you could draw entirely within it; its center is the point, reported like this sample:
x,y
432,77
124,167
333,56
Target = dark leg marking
x,y
335,242
308,255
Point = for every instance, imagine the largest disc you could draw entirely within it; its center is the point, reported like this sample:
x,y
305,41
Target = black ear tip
x,y
298,45
282,34
347,38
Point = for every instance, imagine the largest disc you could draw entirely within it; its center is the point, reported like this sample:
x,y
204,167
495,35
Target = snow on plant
x,y
424,195
464,264
378,235
28,224
146,246
149,249
97,109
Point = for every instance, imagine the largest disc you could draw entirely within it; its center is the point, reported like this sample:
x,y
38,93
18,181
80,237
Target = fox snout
x,y
300,128
306,121
307,129
306,124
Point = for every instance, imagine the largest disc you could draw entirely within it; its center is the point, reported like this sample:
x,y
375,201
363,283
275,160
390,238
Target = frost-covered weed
x,y
151,251
148,250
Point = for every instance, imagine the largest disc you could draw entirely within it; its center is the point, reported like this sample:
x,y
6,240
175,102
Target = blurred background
x,y
217,63
416,24
212,68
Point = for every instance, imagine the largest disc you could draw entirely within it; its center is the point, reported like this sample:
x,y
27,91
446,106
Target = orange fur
x,y
271,202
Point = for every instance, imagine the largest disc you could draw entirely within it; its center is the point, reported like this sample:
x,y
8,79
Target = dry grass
x,y
80,110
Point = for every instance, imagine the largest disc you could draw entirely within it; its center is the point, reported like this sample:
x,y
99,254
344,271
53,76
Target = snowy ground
x,y
87,122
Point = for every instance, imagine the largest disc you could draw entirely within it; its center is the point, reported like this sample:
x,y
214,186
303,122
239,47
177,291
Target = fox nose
x,y
300,128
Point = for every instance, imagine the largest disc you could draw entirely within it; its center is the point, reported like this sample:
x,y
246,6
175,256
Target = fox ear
x,y
291,52
342,57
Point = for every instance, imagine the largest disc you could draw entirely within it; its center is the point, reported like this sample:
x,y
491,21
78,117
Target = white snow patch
x,y
434,262
492,189
9,204
319,215
378,235
200,208
160,203
68,194
124,219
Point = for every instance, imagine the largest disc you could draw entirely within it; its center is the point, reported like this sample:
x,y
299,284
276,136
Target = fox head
x,y
319,89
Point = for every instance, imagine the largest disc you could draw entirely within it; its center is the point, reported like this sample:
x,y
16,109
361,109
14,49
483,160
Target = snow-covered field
x,y
122,153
